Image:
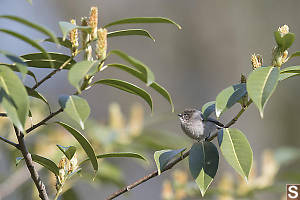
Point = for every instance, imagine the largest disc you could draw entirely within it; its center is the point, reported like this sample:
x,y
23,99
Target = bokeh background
x,y
194,64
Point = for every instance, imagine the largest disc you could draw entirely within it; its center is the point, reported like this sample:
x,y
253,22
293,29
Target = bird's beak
x,y
180,115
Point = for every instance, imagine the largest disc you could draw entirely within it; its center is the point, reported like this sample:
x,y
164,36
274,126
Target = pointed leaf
x,y
288,40
297,53
143,20
19,64
16,68
67,151
236,150
66,27
287,75
261,84
32,25
127,32
229,96
80,70
13,97
127,87
54,56
292,69
163,157
203,164
162,91
47,64
37,95
87,147
117,155
137,64
76,107
28,41
45,162
208,109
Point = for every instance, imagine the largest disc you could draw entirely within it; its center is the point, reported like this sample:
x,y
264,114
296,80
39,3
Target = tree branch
x,y
9,142
29,163
174,162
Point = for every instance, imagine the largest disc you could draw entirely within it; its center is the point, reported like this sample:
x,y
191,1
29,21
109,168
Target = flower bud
x,y
284,30
74,39
93,21
73,164
256,61
101,44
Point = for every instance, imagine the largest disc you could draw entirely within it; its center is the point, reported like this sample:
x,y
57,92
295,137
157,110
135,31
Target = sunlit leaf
x,y
66,27
13,97
203,164
87,147
229,96
292,69
32,25
19,63
76,107
127,87
143,20
137,64
163,157
236,150
47,64
261,84
162,91
45,162
287,75
67,151
65,43
127,32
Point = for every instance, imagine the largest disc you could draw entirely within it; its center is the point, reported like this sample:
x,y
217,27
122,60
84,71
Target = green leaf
x,y
236,150
287,75
54,56
13,97
117,155
127,32
19,64
28,41
139,20
228,97
65,43
47,64
127,87
292,69
16,68
76,107
35,94
67,151
80,70
158,88
45,162
163,157
208,109
87,147
137,64
261,84
284,42
32,25
66,27
297,53
203,164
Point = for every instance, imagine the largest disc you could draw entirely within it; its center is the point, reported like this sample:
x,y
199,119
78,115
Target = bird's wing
x,y
215,122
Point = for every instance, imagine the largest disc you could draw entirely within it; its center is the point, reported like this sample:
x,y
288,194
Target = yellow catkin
x,y
256,61
74,38
101,44
93,21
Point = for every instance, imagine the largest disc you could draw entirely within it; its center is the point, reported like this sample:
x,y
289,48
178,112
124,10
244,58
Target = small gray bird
x,y
196,127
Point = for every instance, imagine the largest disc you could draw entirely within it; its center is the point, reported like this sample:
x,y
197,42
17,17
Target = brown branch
x,y
29,163
51,74
174,162
9,142
44,120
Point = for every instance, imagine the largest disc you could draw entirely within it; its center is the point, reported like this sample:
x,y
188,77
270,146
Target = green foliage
x,y
66,27
163,157
208,109
67,151
128,32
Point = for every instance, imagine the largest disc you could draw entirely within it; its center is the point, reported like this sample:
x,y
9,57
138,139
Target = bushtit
x,y
196,127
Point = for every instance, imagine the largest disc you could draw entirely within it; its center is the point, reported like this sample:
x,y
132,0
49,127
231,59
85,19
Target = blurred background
x,y
194,64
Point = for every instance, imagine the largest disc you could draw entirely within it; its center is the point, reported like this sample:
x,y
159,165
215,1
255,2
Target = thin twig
x,y
44,120
174,162
9,142
29,163
51,74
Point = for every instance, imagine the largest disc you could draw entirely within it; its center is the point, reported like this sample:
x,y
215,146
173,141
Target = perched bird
x,y
196,127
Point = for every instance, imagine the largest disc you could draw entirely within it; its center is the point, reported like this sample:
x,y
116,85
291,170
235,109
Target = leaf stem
x,y
174,162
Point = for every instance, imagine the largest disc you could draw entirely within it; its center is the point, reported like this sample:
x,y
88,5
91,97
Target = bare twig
x,y
29,163
9,142
51,74
174,162
44,120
